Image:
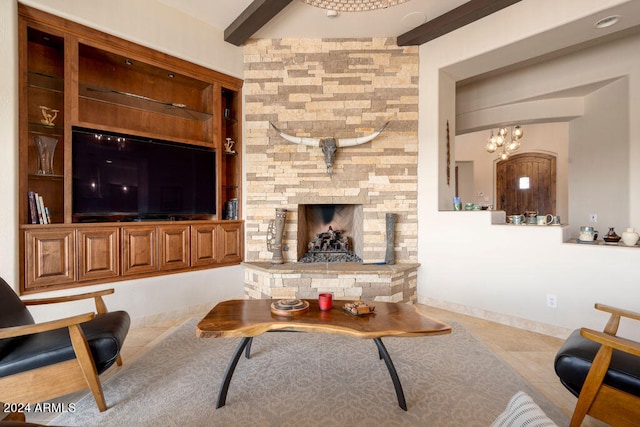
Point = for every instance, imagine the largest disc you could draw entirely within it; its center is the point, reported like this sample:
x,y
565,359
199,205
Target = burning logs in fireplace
x,y
330,246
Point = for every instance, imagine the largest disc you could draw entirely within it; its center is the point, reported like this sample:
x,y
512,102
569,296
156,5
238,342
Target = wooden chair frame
x,y
62,378
599,400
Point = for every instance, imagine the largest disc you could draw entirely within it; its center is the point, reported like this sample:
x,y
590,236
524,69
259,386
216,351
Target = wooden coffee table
x,y
249,318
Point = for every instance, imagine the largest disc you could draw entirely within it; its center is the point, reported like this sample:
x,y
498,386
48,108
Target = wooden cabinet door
x,y
98,253
49,258
230,242
138,250
173,246
204,250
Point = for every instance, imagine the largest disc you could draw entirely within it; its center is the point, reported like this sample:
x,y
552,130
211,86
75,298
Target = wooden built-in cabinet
x,y
72,76
60,256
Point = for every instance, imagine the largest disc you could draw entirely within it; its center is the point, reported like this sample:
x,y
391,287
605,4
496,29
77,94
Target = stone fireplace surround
x,y
341,88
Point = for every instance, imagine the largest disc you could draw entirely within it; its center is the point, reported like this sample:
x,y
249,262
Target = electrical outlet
x,y
593,217
552,301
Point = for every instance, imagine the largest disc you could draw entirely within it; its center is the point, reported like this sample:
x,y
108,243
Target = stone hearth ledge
x,y
387,283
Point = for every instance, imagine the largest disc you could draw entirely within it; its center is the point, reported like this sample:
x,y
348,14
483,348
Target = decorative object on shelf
x,y
499,141
532,217
611,236
353,5
274,236
556,220
516,219
544,219
457,204
390,256
49,115
329,145
228,146
230,209
587,234
630,237
289,307
46,146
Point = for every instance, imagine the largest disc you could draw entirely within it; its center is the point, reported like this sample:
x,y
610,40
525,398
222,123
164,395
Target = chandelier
x,y
498,142
353,5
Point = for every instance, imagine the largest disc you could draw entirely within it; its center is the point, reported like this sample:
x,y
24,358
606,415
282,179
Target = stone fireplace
x,y
343,89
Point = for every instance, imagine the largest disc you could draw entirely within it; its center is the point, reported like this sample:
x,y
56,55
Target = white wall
x,y
151,24
499,271
599,153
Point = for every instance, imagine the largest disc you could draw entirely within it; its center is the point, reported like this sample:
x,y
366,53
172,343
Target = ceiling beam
x,y
459,17
254,17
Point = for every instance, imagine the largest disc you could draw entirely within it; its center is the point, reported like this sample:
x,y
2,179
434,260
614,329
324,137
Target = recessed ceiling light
x,y
608,21
332,14
413,20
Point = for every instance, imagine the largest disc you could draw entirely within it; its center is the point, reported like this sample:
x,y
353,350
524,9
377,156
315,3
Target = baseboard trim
x,y
504,319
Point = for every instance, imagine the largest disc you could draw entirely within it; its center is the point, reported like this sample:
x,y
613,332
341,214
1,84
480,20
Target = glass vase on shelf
x,y
46,147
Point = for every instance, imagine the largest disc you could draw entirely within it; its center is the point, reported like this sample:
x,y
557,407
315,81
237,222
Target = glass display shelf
x,y
140,102
49,176
36,128
44,81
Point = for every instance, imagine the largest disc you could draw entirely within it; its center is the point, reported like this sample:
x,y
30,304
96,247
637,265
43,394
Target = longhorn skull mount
x,y
329,145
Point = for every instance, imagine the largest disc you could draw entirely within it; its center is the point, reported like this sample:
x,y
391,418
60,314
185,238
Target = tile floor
x,y
528,353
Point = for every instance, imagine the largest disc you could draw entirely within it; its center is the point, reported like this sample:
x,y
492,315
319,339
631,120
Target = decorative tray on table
x,y
289,307
358,308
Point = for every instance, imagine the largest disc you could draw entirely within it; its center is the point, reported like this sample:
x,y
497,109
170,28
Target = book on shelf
x,y
33,211
38,212
42,210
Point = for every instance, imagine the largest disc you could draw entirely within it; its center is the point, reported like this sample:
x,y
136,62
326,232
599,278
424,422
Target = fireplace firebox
x,y
330,233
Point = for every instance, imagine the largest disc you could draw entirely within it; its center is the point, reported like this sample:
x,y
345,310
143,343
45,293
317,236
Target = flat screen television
x,y
123,177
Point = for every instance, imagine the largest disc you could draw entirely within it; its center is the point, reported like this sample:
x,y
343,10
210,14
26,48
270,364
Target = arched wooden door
x,y
526,182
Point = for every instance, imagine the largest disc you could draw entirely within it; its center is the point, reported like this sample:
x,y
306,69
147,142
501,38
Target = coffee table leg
x,y
222,396
247,352
392,371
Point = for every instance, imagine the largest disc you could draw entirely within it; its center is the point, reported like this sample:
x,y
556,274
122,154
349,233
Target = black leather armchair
x,y
603,371
45,360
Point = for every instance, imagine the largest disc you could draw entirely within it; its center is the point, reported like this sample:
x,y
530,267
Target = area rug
x,y
307,379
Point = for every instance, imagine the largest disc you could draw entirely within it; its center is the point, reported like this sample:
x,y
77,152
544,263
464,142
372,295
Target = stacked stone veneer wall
x,y
340,88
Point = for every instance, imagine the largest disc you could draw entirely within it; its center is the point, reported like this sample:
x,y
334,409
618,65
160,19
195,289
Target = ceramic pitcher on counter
x,y
630,237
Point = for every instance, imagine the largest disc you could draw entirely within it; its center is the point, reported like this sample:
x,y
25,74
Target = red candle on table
x,y
325,301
